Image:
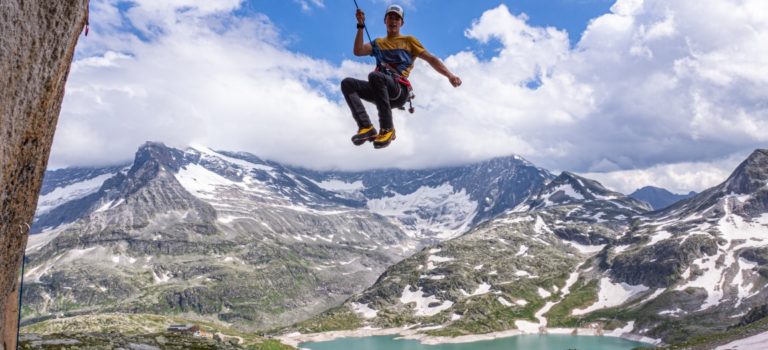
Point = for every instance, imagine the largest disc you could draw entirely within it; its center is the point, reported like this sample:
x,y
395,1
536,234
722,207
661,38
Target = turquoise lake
x,y
521,342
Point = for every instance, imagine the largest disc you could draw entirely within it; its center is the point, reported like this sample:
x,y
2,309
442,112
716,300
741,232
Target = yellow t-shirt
x,y
399,52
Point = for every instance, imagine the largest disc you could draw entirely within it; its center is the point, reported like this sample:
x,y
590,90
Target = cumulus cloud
x,y
674,81
678,178
653,85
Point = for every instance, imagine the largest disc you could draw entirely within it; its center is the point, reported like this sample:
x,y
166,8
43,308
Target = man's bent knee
x,y
376,77
347,85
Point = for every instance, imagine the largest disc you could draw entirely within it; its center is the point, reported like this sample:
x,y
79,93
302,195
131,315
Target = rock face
x,y
36,50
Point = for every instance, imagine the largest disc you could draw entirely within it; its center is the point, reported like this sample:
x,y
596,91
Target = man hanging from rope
x,y
388,85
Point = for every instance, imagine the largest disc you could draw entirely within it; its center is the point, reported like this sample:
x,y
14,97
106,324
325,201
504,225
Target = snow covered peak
x,y
569,188
590,189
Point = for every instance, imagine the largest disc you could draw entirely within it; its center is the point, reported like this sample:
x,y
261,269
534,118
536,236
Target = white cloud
x,y
652,85
404,3
308,5
677,178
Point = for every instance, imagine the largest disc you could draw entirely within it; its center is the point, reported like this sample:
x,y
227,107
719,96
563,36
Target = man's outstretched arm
x,y
438,66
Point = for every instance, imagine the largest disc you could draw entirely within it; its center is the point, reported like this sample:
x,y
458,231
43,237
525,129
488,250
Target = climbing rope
x,y
376,52
21,292
87,18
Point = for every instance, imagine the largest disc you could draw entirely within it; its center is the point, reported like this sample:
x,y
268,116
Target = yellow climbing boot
x,y
364,135
385,137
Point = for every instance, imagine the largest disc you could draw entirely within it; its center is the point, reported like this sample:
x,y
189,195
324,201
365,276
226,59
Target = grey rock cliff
x,y
36,48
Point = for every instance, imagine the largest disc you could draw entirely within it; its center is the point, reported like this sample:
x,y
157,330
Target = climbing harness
x,y
402,82
392,72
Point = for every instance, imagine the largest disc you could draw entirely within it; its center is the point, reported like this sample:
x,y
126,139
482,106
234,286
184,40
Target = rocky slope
x,y
704,257
241,239
577,255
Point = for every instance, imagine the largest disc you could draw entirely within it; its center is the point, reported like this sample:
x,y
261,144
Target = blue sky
x,y
327,32
628,92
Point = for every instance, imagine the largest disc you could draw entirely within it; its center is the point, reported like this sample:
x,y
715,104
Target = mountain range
x,y
576,256
235,238
497,245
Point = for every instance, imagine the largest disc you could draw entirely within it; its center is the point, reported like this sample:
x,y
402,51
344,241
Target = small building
x,y
184,328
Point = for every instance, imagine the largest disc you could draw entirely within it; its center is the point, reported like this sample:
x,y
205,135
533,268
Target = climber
x,y
387,86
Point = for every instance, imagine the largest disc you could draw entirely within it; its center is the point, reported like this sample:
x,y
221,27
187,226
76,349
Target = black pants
x,y
379,89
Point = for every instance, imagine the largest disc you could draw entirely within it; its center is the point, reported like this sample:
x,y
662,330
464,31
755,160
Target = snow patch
x,y
733,227
540,227
586,249
612,294
755,342
432,259
624,330
659,236
710,280
744,266
68,193
521,273
568,190
484,288
620,248
452,211
422,302
201,182
341,186
364,310
432,277
675,312
38,240
239,162
162,277
652,296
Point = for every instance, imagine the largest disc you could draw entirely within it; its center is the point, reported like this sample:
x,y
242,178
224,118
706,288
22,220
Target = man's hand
x,y
438,66
361,48
455,81
360,15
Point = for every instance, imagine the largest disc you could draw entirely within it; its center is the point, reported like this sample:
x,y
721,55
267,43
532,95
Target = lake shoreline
x,y
294,339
